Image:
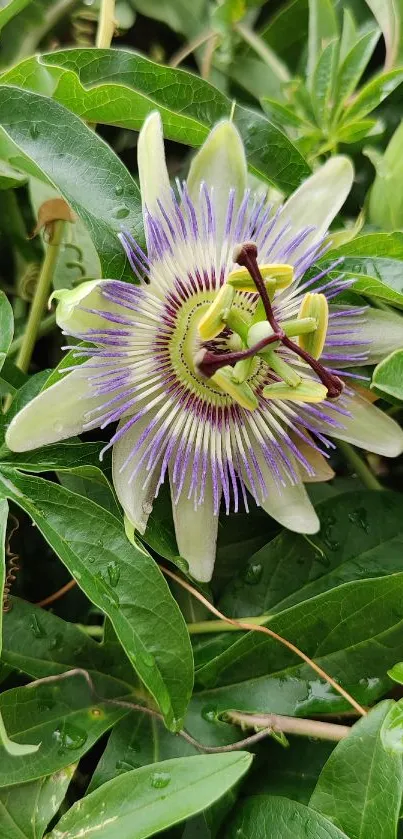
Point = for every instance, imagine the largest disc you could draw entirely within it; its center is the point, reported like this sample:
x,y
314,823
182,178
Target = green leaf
x,y
353,66
372,94
279,818
388,375
137,740
6,327
182,16
27,809
145,801
291,772
386,196
118,87
341,629
12,8
396,673
121,579
355,131
95,182
281,114
63,718
39,643
287,31
293,568
323,81
376,261
360,786
323,28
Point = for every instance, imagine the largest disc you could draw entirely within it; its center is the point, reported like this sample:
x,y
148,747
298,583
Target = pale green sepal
x,y
59,412
221,165
380,333
314,306
196,530
15,749
153,172
368,427
317,202
70,316
306,391
214,320
240,392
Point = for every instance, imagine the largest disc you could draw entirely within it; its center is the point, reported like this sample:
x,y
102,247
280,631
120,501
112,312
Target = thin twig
x,y
290,725
264,629
57,594
190,47
144,709
208,57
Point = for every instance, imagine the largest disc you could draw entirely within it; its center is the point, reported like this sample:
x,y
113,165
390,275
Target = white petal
x,y
153,172
137,495
369,428
323,471
381,332
55,414
221,164
317,201
196,532
289,504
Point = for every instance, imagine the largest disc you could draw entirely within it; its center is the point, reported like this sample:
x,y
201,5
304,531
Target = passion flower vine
x,y
225,366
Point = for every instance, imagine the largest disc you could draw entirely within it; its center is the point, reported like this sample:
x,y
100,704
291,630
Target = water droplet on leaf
x,y
121,212
37,628
56,641
125,766
118,189
34,131
210,713
113,573
159,780
69,737
359,517
182,564
253,573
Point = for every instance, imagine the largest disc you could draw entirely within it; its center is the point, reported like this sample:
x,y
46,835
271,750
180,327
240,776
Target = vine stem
x,y
266,631
359,466
290,725
273,722
41,295
263,51
190,47
106,24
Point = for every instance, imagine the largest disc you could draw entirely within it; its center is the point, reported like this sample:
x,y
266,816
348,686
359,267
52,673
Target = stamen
x,y
247,255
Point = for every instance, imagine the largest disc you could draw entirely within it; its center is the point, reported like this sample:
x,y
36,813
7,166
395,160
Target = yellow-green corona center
x,y
186,344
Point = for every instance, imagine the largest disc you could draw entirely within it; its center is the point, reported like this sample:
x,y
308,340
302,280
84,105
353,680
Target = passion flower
x,y
225,366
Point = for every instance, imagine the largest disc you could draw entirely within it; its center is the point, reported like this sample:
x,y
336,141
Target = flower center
x,y
230,370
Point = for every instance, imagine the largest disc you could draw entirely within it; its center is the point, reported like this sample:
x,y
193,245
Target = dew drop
x,y
210,713
159,780
37,628
182,564
359,517
113,573
147,508
69,738
56,641
118,189
121,212
34,131
253,573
